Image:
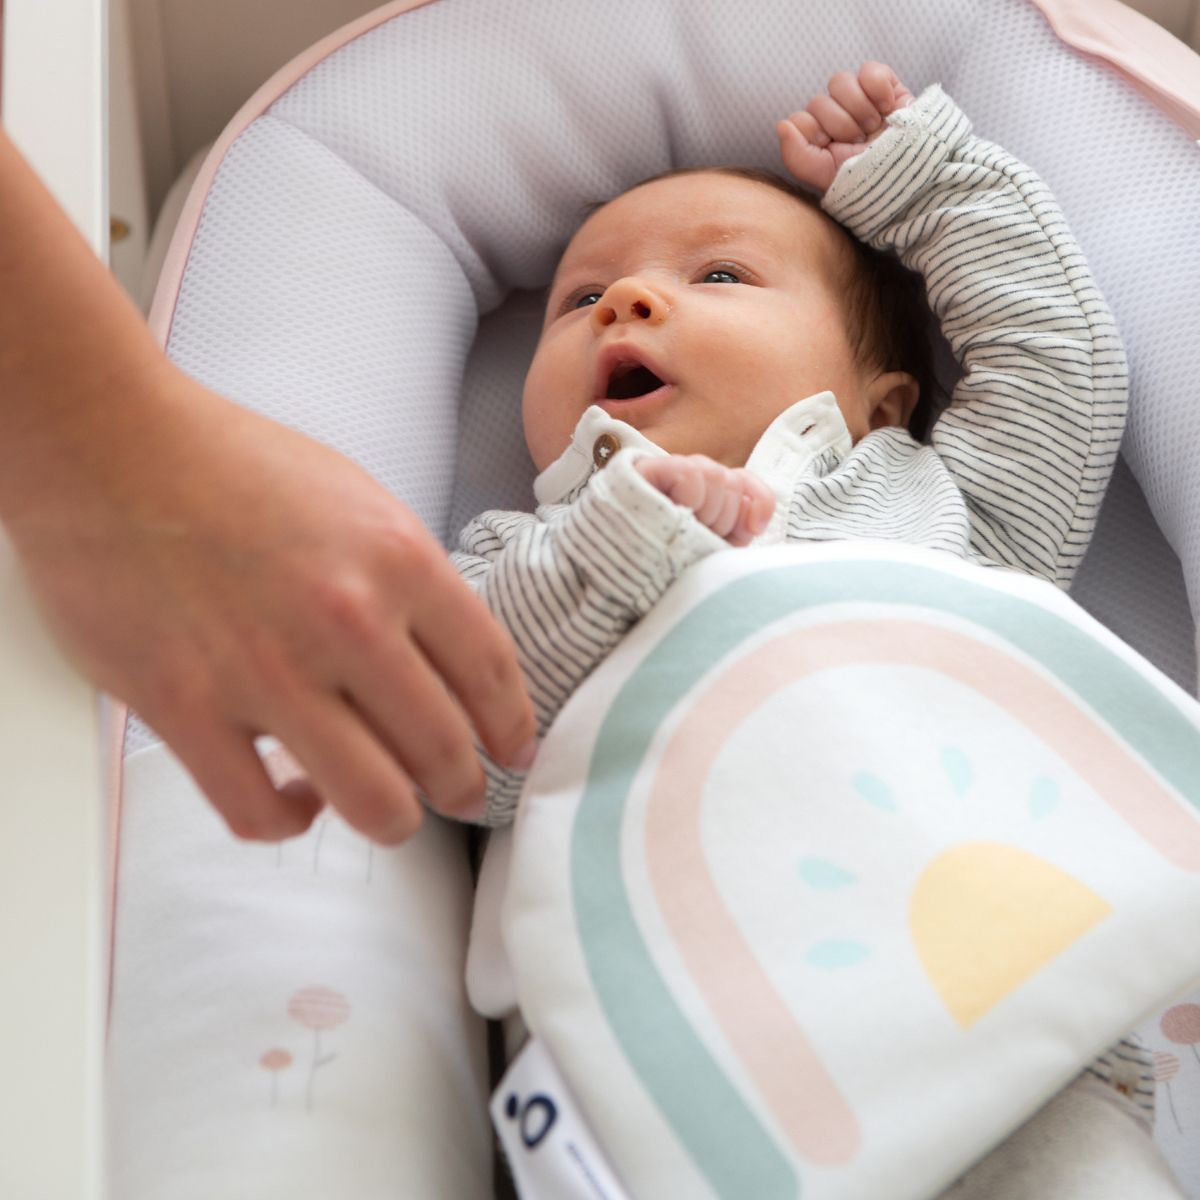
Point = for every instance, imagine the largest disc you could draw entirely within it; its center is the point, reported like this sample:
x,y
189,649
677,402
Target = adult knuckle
x,y
348,601
498,674
442,745
404,549
178,695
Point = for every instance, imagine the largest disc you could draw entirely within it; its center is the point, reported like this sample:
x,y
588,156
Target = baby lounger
x,y
360,258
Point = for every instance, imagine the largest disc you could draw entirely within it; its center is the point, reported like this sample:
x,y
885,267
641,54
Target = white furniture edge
x,y
53,918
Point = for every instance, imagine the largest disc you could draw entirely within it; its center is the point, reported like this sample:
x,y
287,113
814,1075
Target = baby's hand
x,y
730,501
836,127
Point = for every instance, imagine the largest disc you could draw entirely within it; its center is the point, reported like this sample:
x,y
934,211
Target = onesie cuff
x,y
874,188
654,538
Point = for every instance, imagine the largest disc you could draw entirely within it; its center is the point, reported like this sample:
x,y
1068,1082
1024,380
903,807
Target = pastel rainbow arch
x,y
725,1138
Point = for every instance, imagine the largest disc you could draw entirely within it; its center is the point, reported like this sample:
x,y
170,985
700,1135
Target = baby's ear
x,y
891,398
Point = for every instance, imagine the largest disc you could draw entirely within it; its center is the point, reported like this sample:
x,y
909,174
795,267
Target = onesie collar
x,y
812,431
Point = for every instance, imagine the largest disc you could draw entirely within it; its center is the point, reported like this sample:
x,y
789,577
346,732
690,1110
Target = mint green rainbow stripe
x,y
724,1138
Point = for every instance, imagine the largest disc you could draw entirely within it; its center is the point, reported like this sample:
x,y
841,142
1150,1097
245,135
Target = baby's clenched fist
x,y
835,127
732,502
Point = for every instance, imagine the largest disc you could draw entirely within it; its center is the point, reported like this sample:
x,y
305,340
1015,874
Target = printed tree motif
x,y
319,827
1181,1025
318,1009
275,1061
1166,1067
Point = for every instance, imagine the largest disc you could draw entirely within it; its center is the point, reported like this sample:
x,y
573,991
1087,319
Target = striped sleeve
x,y
568,582
1033,428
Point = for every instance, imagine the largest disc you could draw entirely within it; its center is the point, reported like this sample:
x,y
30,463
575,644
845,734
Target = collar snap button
x,y
603,449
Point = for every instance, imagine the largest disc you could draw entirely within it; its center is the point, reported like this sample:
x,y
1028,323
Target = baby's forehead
x,y
694,208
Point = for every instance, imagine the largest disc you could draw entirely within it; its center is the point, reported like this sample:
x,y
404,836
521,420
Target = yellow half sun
x,y
985,917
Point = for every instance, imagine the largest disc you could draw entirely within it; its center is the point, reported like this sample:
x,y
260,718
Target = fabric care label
x,y
545,1138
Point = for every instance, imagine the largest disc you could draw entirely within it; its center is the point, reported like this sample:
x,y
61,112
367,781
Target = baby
x,y
724,360
721,362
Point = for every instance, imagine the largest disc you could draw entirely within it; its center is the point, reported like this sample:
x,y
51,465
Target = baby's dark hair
x,y
887,315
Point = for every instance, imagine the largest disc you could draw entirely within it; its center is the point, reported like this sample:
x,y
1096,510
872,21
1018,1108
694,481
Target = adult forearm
x,y
75,354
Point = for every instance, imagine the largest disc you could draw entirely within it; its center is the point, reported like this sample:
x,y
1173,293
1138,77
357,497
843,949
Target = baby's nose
x,y
630,299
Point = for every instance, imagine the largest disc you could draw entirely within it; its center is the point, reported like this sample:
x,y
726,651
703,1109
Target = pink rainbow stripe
x,y
800,1093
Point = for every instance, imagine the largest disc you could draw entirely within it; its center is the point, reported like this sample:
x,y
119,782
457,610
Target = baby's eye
x,y
721,275
585,299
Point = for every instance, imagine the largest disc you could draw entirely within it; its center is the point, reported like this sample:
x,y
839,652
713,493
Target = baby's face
x,y
696,308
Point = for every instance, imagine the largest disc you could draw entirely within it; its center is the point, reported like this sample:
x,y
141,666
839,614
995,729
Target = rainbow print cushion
x,y
847,860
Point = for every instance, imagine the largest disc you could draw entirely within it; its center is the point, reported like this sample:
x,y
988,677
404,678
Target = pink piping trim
x,y
116,773
162,310
1155,62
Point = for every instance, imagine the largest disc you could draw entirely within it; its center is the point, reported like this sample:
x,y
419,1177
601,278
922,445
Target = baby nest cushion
x,y
361,260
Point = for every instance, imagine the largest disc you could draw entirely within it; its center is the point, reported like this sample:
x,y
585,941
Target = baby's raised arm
x,y
1033,428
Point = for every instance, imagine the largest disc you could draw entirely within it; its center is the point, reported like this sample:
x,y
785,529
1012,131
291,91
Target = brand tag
x,y
547,1143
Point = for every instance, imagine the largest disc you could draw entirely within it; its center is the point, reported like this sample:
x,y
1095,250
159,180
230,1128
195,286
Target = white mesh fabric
x,y
312,297
1130,580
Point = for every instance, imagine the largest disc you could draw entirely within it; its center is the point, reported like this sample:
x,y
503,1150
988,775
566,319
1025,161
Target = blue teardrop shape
x,y
835,955
1043,798
958,768
874,791
824,875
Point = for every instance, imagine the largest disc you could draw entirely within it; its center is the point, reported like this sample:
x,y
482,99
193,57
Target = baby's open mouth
x,y
630,380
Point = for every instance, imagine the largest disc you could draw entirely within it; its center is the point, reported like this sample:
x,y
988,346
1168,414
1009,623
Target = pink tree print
x,y
1166,1067
275,1061
1181,1025
318,1009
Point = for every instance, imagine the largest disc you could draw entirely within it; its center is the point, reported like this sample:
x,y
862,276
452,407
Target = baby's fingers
x,y
834,120
804,147
847,91
881,85
756,504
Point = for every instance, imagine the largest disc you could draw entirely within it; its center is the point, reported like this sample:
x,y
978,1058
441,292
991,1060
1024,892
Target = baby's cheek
x,y
547,412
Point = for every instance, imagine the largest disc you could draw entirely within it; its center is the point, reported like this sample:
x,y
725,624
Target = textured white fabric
x,y
1085,1144
289,1022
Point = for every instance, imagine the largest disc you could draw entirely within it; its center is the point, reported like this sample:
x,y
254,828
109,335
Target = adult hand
x,y
226,576
229,578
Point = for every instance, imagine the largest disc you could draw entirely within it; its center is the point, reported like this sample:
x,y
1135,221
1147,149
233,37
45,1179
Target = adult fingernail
x,y
473,814
523,759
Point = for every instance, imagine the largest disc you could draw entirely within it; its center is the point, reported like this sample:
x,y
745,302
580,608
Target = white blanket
x,y
845,862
